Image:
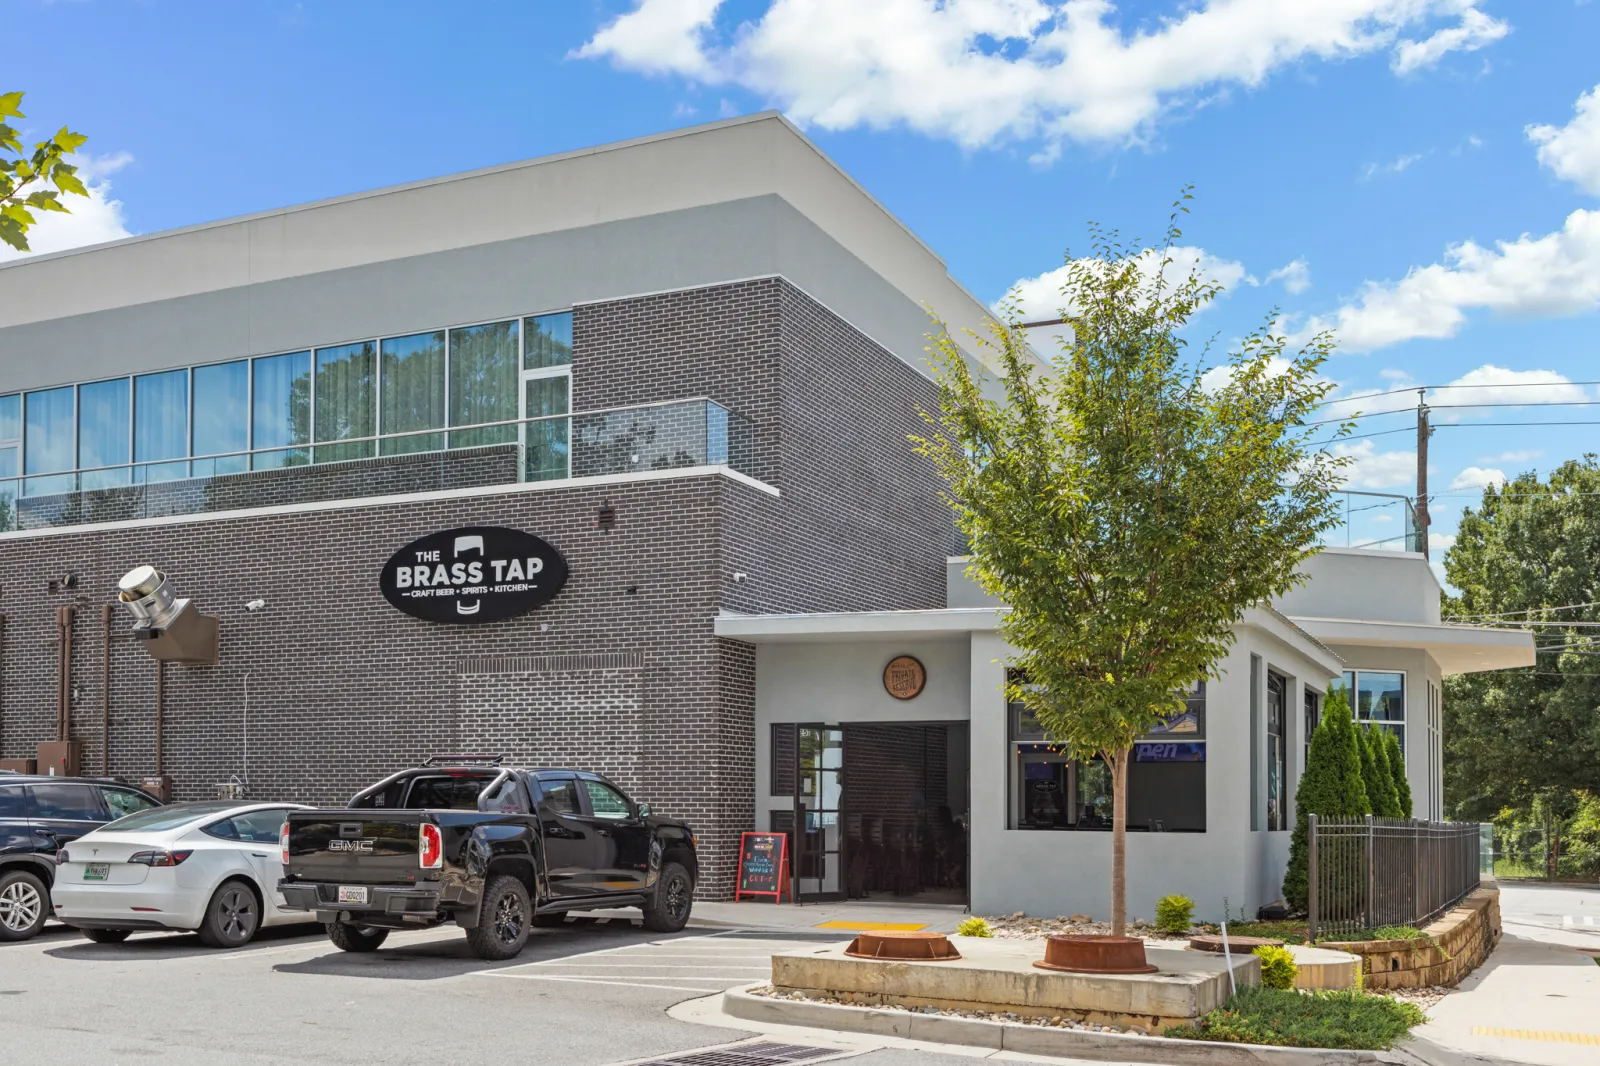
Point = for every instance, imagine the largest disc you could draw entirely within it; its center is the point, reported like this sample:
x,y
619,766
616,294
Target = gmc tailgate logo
x,y
349,845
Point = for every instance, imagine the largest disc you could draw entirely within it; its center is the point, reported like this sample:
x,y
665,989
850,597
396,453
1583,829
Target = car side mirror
x,y
644,810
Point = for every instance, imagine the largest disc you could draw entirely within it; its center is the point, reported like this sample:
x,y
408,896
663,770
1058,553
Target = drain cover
x,y
760,1053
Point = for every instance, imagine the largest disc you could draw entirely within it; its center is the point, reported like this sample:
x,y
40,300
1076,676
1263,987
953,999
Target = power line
x,y
1475,425
1439,388
1360,436
1531,610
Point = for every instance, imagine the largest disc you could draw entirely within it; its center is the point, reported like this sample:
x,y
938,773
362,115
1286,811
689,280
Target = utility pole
x,y
1423,433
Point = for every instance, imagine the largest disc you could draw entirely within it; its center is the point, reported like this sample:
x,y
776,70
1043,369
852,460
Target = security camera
x,y
739,575
255,605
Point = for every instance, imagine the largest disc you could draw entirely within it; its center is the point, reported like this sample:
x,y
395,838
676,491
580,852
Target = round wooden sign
x,y
904,677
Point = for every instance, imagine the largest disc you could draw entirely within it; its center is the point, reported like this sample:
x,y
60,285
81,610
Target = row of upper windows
x,y
319,405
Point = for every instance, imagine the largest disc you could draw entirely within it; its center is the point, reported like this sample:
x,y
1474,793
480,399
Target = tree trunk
x,y
1119,842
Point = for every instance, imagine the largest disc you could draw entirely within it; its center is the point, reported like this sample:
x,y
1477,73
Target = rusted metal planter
x,y
903,947
1095,954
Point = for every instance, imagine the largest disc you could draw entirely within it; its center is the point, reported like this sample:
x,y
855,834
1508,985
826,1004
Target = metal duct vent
x,y
149,597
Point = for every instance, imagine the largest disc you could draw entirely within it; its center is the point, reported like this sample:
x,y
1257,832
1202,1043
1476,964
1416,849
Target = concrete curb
x,y
1034,1039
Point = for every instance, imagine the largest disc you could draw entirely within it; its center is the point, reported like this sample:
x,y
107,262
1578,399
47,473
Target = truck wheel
x,y
355,938
24,905
504,921
106,936
668,910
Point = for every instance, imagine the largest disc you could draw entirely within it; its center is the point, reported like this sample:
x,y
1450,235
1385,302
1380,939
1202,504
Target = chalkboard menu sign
x,y
763,866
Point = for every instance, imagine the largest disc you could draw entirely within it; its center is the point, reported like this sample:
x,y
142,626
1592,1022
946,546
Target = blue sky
x,y
1357,162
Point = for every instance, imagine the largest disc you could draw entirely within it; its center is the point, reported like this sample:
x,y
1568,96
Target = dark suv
x,y
38,816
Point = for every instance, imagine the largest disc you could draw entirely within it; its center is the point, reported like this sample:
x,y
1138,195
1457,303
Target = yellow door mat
x,y
874,927
1544,1035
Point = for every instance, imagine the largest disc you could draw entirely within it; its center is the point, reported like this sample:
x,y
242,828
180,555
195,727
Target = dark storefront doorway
x,y
880,811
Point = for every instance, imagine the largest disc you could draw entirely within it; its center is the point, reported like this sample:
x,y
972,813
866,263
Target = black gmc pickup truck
x,y
493,849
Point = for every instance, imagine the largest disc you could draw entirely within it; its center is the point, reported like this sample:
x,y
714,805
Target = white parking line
x,y
1579,921
706,987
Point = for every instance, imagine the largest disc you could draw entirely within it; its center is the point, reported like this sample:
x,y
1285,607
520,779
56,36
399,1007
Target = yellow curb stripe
x,y
873,927
1542,1035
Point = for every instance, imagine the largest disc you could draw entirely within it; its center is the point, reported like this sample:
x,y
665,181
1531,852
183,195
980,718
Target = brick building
x,y
690,363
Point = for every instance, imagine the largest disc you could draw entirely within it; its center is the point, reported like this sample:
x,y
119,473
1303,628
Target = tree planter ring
x,y
1095,954
904,947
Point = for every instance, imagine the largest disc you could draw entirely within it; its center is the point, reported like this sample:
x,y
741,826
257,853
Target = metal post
x,y
1311,881
1423,433
1366,913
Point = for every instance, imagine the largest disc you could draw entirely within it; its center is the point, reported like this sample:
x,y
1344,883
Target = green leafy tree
x,y
1529,555
1375,771
1126,513
1397,774
32,182
1332,784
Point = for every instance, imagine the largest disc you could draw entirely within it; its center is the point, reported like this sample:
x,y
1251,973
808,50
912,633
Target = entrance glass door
x,y
819,822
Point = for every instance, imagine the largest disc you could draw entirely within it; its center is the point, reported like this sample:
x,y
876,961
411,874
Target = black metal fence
x,y
1366,873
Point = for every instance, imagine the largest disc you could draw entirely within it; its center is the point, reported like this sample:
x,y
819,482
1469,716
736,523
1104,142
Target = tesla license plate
x,y
96,871
352,893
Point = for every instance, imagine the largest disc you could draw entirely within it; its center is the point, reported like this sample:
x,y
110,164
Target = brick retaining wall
x,y
1457,944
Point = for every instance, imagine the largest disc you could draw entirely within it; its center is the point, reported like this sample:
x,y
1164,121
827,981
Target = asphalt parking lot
x,y
581,994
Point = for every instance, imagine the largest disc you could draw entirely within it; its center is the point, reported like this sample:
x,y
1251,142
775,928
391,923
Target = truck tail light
x,y
430,847
160,858
283,841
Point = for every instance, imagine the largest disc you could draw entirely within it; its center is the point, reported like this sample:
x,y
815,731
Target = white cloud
x,y
1296,276
1513,457
92,221
1477,477
1495,384
1556,274
1398,166
982,72
1573,151
1039,297
1441,542
1473,32
1372,469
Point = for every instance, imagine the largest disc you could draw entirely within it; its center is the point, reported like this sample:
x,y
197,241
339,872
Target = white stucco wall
x,y
1066,872
1419,669
1371,586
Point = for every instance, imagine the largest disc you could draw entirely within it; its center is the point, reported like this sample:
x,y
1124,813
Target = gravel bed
x,y
1054,1022
1426,998
1020,926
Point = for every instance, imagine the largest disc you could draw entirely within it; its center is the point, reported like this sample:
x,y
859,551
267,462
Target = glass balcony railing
x,y
1380,521
651,437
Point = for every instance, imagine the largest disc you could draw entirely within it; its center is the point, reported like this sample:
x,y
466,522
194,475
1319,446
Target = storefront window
x,y
281,410
221,423
161,425
1277,751
483,383
413,392
1313,716
103,433
346,404
49,434
1189,723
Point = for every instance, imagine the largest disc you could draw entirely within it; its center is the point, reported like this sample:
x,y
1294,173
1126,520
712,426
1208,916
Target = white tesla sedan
x,y
212,867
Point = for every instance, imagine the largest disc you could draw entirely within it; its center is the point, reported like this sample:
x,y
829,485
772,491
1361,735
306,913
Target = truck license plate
x,y
96,871
352,893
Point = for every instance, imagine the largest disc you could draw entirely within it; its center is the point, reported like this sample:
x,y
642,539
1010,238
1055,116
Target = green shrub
x,y
1331,785
974,926
1277,966
1290,1018
1375,773
1397,771
1174,914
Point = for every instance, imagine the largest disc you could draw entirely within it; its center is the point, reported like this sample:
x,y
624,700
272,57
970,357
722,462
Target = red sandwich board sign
x,y
763,866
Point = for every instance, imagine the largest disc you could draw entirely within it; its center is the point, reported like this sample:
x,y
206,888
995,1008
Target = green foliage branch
x,y
1174,914
1397,774
1348,1020
1278,969
1127,513
21,171
1375,769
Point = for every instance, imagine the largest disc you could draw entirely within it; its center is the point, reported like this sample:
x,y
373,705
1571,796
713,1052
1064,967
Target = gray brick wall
x,y
328,688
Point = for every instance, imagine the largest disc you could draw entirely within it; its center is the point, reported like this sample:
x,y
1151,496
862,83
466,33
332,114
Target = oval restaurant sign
x,y
904,677
472,575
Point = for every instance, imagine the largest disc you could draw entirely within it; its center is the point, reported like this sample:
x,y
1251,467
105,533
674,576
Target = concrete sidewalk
x,y
1537,999
845,919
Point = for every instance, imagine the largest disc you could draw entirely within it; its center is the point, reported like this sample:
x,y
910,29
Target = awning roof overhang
x,y
1457,649
951,623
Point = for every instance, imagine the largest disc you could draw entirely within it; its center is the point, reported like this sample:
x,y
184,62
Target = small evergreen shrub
x,y
1331,785
1277,967
1174,914
974,926
1397,771
1375,773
